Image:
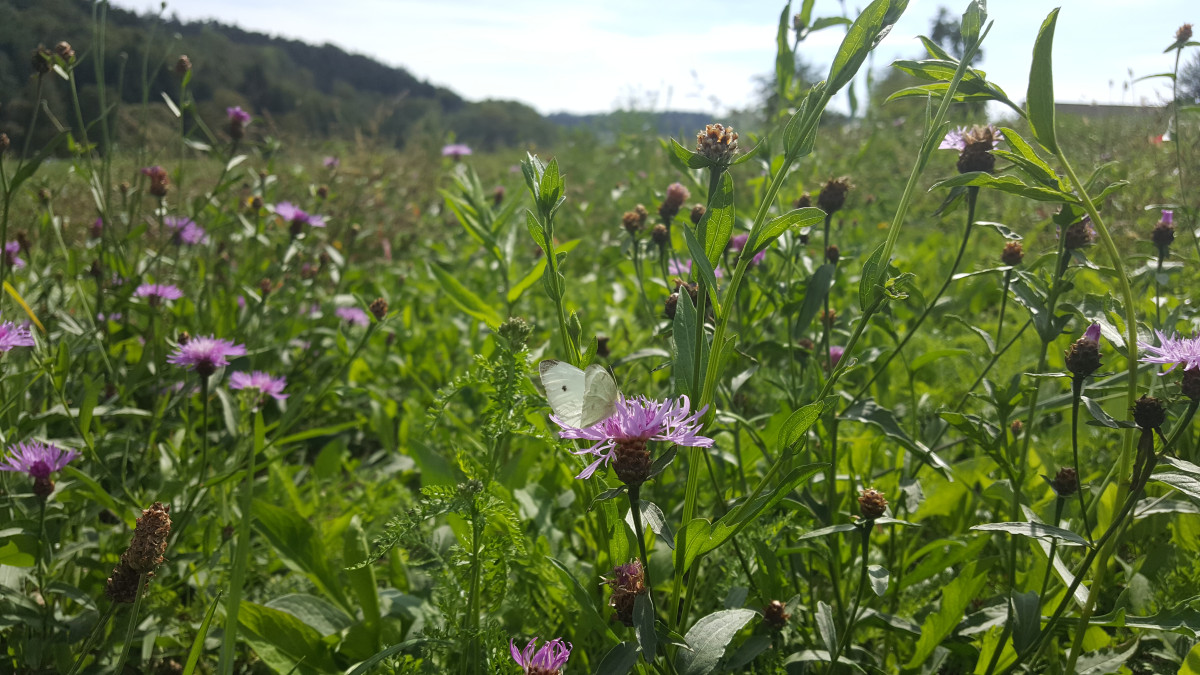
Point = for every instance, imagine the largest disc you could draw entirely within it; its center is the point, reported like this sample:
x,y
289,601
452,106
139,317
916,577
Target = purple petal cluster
x,y
1173,351
685,268
11,249
956,139
1092,334
456,150
236,114
205,354
37,459
549,659
331,162
158,292
263,383
355,316
638,419
12,335
1168,217
186,231
296,215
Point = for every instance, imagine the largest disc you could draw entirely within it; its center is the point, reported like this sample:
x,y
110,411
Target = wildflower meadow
x,y
890,393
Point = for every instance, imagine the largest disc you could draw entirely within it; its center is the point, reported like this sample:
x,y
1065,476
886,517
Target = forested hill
x,y
294,88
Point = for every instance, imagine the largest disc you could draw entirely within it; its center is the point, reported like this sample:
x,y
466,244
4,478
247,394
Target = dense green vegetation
x,y
900,354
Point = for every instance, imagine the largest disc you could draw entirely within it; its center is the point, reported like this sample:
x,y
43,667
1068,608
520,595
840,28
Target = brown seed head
x,y
379,308
182,65
775,615
660,235
123,584
632,462
149,543
1013,254
872,504
1189,386
1066,482
64,51
833,196
832,254
698,212
631,222
1184,33
718,143
803,201
1149,412
828,318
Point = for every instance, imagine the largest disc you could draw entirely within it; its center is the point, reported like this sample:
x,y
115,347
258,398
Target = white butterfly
x,y
579,398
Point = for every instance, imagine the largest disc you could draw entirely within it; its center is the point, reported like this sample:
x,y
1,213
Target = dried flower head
x,y
832,254
1016,427
40,61
833,195
602,346
1083,356
631,222
975,146
160,182
549,660
660,235
182,65
1189,386
670,305
717,143
1149,412
697,213
1013,254
872,504
1184,33
1080,234
628,582
64,51
149,542
636,421
379,308
775,615
803,201
1065,483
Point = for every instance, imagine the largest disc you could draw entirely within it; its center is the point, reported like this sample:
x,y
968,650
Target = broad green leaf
x,y
317,613
775,227
827,627
868,412
1035,531
799,422
703,267
691,160
879,579
708,639
1027,619
643,625
526,282
1039,101
619,660
715,228
466,300
1009,184
972,22
284,642
299,546
872,276
814,296
963,588
859,40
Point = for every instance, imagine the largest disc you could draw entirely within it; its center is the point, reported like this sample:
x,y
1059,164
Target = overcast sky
x,y
701,55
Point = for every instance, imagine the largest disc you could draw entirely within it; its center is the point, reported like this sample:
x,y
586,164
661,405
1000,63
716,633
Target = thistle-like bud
x,y
1080,234
671,304
184,338
828,318
1013,254
64,51
160,182
323,192
498,195
516,331
256,203
806,344
40,61
833,196
1016,428
775,615
4,143
44,195
124,187
1163,234
628,582
698,212
717,143
1065,482
379,308
1149,412
1184,33
803,201
832,254
182,65
676,195
1083,356
1189,386
660,235
149,542
977,145
632,223
872,504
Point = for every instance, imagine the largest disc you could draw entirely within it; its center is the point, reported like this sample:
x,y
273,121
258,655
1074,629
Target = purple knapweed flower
x,y
835,355
1168,217
331,162
205,354
262,383
156,293
456,150
12,335
1173,351
11,249
959,138
38,460
97,228
298,216
685,268
738,242
236,114
185,230
355,316
638,420
1092,334
548,660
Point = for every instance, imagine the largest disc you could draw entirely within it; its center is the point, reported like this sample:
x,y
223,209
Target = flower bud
x,y
833,196
40,61
1163,234
1013,254
498,195
1149,412
64,51
872,504
1083,356
1066,482
4,143
660,235
676,195
182,65
803,201
1079,234
717,143
1016,428
670,305
516,331
264,287
1189,386
323,192
631,222
977,145
628,582
775,615
379,308
602,346
832,254
698,212
1184,33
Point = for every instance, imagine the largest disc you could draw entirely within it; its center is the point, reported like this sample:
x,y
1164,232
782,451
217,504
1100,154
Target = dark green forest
x,y
292,88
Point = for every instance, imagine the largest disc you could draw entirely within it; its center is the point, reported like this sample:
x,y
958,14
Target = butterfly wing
x,y
565,386
599,396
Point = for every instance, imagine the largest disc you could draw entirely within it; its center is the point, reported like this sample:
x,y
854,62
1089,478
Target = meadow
x,y
908,393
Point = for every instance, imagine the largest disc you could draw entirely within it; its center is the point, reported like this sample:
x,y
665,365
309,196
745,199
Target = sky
x,y
696,55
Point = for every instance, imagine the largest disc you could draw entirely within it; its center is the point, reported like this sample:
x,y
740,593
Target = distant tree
x,y
1189,78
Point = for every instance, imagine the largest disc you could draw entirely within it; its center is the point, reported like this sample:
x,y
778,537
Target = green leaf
x,y
814,295
526,282
879,579
1008,184
643,625
691,160
300,547
775,227
715,228
863,34
972,22
12,555
368,666
1022,147
800,421
956,595
708,639
1183,618
284,642
583,601
1102,418
871,277
1035,531
868,412
827,627
619,660
466,300
317,613
686,349
702,265
362,580
193,658
1039,102
1027,619
785,59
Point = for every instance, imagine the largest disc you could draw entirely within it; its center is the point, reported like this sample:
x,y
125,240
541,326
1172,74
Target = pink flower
x,y
12,335
298,216
548,660
1173,351
456,150
205,354
261,383
355,316
638,419
156,293
237,115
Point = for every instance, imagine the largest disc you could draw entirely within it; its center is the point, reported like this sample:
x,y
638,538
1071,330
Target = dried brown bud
x,y
498,195
160,182
803,201
631,222
256,203
264,287
1163,236
1149,412
1184,33
670,305
1013,254
379,308
40,61
775,615
323,192
828,318
123,584
660,235
184,338
182,65
806,344
124,187
1080,234
698,212
676,195
1016,427
833,196
1066,482
1189,386
872,504
832,254
977,145
718,143
64,51
149,543
44,195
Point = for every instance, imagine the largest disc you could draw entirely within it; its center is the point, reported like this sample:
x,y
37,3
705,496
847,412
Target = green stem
x,y
133,615
635,510
865,529
241,556
101,623
1076,395
1003,304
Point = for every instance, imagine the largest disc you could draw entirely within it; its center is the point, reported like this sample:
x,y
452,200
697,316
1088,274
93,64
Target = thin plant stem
x,y
635,511
865,530
1003,305
101,623
241,556
133,615
1076,395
